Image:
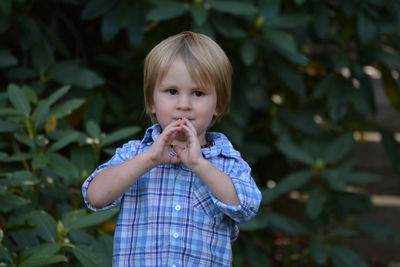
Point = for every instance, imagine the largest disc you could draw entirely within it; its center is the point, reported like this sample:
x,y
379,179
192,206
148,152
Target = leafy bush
x,y
71,71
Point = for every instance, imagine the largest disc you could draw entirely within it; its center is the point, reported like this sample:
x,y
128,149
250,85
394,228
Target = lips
x,y
180,117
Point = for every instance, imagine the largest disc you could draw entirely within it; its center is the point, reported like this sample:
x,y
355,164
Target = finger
x,y
191,127
168,135
172,124
192,138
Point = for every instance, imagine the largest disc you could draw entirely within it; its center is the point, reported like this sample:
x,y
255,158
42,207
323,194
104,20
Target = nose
x,y
184,103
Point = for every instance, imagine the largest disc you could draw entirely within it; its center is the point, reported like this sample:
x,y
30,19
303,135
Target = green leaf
x,y
24,139
4,21
280,39
261,221
135,30
228,27
75,75
18,99
69,218
21,72
20,178
96,8
302,120
378,231
7,59
319,251
287,225
389,56
299,2
315,204
235,8
323,88
288,21
46,226
248,52
199,13
66,108
367,29
6,6
86,256
66,139
6,256
285,44
17,157
84,158
295,152
342,232
58,94
362,178
269,195
41,113
168,10
339,148
39,161
269,8
9,126
119,135
390,86
342,257
40,260
10,202
10,112
293,181
321,19
42,57
336,178
41,255
93,129
109,27
92,219
252,151
63,167
352,203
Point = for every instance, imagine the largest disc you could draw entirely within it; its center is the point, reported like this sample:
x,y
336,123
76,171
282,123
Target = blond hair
x,y
207,63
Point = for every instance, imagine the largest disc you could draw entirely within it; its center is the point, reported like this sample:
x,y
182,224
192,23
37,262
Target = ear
x,y
151,109
217,111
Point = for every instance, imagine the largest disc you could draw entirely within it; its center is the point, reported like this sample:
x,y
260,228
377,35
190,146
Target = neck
x,y
181,140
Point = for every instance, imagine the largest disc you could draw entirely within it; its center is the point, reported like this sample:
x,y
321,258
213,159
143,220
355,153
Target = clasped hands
x,y
189,153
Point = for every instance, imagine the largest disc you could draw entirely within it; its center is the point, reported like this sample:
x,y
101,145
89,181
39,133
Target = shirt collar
x,y
221,144
151,134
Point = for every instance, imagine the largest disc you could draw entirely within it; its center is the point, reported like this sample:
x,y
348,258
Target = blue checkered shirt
x,y
170,218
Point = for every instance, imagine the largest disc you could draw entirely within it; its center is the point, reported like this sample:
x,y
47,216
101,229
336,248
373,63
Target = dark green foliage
x,y
71,92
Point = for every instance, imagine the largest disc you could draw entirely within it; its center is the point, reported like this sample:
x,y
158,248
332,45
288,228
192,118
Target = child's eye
x,y
198,93
172,91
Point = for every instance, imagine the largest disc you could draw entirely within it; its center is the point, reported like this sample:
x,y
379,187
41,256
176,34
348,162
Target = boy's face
x,y
178,96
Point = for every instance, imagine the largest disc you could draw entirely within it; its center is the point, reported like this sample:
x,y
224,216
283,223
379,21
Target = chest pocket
x,y
203,203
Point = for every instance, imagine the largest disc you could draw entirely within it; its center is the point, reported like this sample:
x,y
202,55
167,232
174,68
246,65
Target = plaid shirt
x,y
170,218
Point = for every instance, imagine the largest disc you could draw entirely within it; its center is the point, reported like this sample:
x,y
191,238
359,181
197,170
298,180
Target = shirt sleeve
x,y
248,193
128,151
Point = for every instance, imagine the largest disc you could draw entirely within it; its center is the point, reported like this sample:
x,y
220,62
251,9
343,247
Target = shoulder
x,y
128,149
223,146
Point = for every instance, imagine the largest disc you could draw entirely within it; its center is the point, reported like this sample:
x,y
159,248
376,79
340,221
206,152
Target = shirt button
x,y
175,235
177,207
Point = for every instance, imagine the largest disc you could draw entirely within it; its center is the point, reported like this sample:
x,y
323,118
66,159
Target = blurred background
x,y
315,111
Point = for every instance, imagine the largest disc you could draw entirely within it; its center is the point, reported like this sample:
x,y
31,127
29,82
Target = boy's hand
x,y
191,154
161,152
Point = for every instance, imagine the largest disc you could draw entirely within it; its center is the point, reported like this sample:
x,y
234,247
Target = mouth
x,y
178,118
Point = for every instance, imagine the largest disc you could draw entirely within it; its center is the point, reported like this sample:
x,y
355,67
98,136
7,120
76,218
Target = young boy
x,y
182,190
